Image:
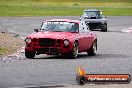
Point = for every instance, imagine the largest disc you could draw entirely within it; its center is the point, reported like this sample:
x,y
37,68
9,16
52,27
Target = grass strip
x,y
36,10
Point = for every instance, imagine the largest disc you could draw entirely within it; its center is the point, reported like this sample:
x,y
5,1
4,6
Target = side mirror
x,y
36,30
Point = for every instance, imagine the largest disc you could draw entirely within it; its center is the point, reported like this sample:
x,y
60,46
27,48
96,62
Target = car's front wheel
x,y
29,54
104,27
73,54
93,49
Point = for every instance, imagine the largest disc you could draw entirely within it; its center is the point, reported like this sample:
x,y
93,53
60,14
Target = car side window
x,y
74,28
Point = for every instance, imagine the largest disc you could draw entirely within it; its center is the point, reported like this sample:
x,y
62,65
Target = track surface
x,y
114,55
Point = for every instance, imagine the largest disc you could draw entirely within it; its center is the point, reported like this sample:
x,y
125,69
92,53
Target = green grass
x,y
2,51
63,7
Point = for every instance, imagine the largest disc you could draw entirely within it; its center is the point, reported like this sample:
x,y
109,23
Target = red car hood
x,y
53,35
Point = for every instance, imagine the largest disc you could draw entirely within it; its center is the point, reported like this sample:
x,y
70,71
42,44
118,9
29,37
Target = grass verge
x,y
2,51
9,44
63,7
14,10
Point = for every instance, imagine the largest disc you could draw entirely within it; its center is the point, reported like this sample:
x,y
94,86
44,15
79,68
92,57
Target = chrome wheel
x,y
75,50
73,54
93,49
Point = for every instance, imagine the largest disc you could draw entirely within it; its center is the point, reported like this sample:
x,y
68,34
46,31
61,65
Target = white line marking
x,y
127,30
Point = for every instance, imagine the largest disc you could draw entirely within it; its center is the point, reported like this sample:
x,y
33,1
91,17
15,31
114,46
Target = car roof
x,y
64,20
92,10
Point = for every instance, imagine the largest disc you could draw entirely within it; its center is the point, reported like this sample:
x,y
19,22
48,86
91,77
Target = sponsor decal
x,y
82,78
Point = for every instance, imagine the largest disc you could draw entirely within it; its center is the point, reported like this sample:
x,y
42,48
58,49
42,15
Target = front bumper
x,y
49,50
95,24
48,46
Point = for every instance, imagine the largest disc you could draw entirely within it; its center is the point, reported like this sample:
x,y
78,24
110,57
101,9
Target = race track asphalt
x,y
114,55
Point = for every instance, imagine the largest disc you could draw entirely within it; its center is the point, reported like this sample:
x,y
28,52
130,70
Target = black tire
x,y
73,54
93,49
29,54
104,27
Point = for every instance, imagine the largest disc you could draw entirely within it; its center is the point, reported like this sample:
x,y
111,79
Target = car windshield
x,y
92,14
60,26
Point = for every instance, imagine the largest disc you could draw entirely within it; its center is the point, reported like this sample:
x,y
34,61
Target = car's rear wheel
x,y
93,49
104,27
29,54
73,54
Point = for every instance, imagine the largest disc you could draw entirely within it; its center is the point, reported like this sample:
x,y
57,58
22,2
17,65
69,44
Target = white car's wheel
x,y
104,27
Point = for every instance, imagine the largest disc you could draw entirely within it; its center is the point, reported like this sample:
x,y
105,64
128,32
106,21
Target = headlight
x,y
66,42
28,40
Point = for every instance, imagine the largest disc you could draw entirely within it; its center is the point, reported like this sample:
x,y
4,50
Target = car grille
x,y
46,42
52,50
94,25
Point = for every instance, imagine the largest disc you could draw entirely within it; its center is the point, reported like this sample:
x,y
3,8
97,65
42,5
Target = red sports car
x,y
61,37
